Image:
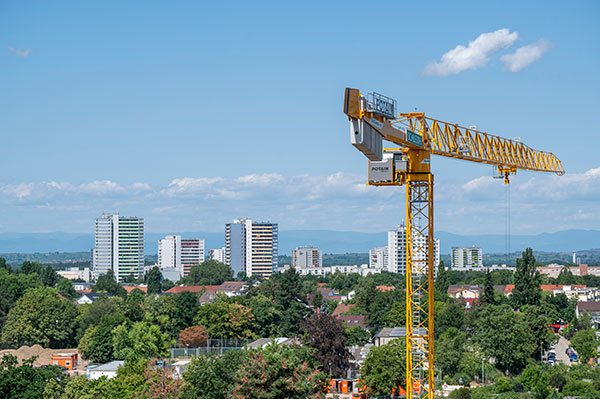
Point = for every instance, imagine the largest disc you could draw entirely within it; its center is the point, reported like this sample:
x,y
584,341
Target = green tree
x,y
441,282
326,334
366,295
185,309
154,281
48,276
97,342
41,317
527,281
384,369
12,287
4,265
279,372
106,283
317,299
449,348
448,315
91,314
266,315
226,320
66,289
565,277
140,341
585,343
289,302
166,285
132,307
210,272
539,334
461,393
396,316
23,381
488,290
81,387
504,335
28,267
356,335
212,377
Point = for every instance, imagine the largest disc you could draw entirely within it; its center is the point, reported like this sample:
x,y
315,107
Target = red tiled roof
x,y
191,288
341,308
385,288
130,288
321,284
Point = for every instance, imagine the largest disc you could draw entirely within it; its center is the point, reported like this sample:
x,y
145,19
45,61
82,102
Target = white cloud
x,y
18,52
473,56
100,187
525,55
540,202
480,183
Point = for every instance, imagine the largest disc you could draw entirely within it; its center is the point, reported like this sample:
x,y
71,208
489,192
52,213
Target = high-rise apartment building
x,y
118,246
180,254
192,253
251,247
470,258
397,250
378,258
169,252
307,257
218,254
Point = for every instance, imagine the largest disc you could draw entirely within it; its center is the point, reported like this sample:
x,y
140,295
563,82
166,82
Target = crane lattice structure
x,y
373,119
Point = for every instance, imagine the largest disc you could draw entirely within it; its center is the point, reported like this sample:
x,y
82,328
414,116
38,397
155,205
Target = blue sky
x,y
192,113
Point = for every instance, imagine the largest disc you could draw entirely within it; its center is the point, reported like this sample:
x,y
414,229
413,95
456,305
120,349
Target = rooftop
x,y
110,366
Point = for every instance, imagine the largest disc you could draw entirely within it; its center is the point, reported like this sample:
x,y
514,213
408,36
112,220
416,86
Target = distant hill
x,y
336,242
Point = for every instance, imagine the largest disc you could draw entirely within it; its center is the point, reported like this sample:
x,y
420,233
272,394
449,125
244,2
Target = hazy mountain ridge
x,y
328,241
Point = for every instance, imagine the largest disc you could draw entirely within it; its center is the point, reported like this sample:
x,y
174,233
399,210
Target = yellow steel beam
x,y
452,140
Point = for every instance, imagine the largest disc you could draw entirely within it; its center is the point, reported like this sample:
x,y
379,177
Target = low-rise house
x,y
580,292
82,287
553,270
232,288
209,292
207,297
467,294
66,360
591,308
108,370
89,298
75,273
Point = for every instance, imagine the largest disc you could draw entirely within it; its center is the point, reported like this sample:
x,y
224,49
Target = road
x,y
560,349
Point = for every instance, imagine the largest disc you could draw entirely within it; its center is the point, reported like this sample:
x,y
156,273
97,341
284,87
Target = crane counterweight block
x,y
366,139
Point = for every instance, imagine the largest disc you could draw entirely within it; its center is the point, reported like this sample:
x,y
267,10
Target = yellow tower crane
x,y
373,119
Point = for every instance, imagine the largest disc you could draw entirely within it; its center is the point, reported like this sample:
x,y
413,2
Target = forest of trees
x,y
506,334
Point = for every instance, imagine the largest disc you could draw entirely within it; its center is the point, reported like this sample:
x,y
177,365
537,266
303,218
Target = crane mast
x,y
373,119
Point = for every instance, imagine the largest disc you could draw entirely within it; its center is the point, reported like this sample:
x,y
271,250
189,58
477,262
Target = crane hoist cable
x,y
373,118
